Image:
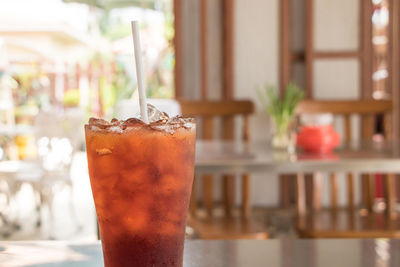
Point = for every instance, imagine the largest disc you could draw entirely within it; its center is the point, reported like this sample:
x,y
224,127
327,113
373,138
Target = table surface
x,y
199,253
239,157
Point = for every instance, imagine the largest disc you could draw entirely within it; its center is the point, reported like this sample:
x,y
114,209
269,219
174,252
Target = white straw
x,y
139,72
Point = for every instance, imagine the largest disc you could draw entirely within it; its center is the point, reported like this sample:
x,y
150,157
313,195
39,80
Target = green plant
x,y
281,109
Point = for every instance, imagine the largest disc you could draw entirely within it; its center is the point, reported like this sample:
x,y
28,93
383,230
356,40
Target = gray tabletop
x,y
199,253
238,157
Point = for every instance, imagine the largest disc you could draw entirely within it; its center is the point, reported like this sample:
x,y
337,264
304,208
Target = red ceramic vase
x,y
318,139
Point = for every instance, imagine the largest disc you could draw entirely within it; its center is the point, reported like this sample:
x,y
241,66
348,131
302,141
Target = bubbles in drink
x,y
103,151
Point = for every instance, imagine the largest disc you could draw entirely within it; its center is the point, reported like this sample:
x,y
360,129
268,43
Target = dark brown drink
x,y
141,177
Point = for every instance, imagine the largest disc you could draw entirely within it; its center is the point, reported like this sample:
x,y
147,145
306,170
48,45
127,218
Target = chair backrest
x,y
369,111
206,113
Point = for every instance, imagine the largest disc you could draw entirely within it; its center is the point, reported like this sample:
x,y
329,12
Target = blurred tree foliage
x,y
113,30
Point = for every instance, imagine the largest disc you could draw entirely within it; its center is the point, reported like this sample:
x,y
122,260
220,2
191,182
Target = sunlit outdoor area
x,y
59,66
200,133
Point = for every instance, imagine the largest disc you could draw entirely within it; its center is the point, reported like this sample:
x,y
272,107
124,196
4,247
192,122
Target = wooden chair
x,y
313,220
207,218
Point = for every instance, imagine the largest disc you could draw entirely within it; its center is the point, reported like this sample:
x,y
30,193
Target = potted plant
x,y
282,111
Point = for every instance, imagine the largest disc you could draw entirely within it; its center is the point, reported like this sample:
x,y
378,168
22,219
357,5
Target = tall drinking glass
x,y
141,177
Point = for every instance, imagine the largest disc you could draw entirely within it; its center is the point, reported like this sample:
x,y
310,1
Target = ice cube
x,y
131,122
116,129
115,121
156,115
99,123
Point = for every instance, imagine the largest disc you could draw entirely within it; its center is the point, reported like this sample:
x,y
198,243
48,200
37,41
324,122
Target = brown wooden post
x,y
315,191
246,205
300,195
228,48
366,64
367,121
390,194
334,191
309,54
228,180
204,48
285,51
178,48
394,74
350,192
366,48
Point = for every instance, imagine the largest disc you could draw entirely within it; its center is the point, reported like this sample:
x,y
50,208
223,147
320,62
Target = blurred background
x,y
63,61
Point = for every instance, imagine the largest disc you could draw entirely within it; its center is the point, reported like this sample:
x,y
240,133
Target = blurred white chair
x,y
129,108
7,224
59,133
13,174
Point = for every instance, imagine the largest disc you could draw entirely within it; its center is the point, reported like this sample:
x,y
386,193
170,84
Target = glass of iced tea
x,y
141,177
